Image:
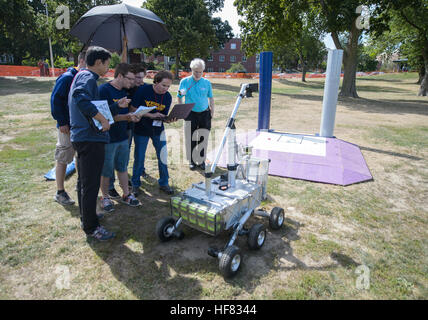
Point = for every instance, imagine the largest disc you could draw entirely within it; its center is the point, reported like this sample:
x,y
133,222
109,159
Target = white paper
x,y
143,110
104,109
157,123
291,143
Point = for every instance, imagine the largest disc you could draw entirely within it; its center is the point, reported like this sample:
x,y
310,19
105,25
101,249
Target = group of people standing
x,y
100,152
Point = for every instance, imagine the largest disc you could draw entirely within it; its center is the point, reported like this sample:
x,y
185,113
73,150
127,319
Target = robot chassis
x,y
226,202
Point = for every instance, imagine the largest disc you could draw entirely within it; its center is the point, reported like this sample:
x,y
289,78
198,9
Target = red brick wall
x,y
228,52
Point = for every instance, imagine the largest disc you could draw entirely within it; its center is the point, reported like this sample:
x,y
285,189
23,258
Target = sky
x,y
230,14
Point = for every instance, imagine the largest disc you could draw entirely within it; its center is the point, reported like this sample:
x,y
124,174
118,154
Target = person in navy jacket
x,y
88,140
64,151
117,151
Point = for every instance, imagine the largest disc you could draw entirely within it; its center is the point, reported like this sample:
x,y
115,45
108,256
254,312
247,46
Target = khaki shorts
x,y
64,152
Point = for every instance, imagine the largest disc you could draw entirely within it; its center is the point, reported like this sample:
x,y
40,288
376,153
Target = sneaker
x,y
135,191
113,194
101,234
167,189
192,166
144,175
107,204
130,200
64,199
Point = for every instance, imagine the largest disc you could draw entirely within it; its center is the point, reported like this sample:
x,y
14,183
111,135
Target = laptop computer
x,y
180,111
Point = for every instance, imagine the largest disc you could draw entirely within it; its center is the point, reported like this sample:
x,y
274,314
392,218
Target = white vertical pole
x,y
331,92
50,43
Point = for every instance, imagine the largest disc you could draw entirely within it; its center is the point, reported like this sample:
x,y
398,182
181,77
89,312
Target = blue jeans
x,y
130,135
141,142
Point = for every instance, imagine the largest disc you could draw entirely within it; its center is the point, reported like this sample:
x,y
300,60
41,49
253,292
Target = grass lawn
x,y
329,231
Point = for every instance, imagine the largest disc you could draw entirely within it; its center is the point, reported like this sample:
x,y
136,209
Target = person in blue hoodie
x,y
88,140
64,151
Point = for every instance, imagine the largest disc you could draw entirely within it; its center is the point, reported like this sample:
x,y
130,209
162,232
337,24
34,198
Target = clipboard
x,y
104,109
180,111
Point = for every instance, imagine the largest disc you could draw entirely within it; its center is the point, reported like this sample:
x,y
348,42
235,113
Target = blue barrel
x,y
265,90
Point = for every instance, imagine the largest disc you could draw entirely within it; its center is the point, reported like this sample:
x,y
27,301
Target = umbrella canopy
x,y
109,26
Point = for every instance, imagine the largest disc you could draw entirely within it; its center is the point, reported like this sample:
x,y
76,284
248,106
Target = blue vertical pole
x,y
265,90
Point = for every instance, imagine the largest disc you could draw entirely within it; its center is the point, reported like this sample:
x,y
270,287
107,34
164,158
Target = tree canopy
x,y
403,25
25,29
194,32
280,22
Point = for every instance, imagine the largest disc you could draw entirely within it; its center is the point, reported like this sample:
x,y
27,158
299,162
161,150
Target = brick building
x,y
221,60
218,61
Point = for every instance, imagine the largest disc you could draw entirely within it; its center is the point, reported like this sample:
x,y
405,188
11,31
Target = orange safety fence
x,y
24,71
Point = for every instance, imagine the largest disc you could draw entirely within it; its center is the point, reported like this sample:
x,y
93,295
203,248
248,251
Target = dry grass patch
x,y
329,230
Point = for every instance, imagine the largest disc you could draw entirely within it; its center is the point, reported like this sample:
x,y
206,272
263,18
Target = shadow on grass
x,y
226,87
175,269
137,258
360,87
306,85
391,153
384,106
25,85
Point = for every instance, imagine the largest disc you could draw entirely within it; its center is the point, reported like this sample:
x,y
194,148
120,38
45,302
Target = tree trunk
x,y
302,61
424,83
177,63
423,89
350,60
421,74
304,73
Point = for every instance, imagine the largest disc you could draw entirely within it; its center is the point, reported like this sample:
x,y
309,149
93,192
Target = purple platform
x,y
306,157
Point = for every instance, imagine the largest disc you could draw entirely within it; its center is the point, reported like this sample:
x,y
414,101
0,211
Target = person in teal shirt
x,y
198,90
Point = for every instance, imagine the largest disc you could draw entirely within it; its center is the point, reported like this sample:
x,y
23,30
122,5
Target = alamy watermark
x,y
63,20
63,280
63,16
363,20
363,279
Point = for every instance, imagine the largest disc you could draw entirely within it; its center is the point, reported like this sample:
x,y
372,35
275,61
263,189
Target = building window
x,y
221,70
232,58
233,46
244,58
221,58
210,69
210,58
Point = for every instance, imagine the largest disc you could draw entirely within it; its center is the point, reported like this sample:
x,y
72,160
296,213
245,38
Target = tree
x,y
406,21
237,68
366,58
223,32
21,34
63,42
311,51
25,29
279,20
291,39
193,32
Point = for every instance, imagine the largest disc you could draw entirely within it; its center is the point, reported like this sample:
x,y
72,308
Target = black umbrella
x,y
121,26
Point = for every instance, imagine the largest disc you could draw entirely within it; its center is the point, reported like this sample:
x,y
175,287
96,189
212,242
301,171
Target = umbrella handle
x,y
125,50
